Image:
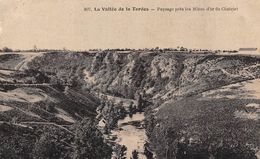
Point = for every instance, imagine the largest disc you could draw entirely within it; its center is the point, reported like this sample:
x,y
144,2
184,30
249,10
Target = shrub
x,y
6,49
89,142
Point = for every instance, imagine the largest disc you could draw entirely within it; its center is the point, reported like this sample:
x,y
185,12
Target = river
x,y
130,133
133,137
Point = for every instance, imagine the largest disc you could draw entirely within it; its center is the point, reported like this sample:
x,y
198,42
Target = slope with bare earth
x,y
17,60
27,111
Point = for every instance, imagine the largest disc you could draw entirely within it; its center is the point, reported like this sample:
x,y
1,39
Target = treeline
x,y
35,49
158,49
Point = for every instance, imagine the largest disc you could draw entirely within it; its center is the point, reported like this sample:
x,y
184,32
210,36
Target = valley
x,y
150,104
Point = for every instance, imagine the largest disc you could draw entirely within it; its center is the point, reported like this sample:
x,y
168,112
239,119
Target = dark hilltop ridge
x,y
197,104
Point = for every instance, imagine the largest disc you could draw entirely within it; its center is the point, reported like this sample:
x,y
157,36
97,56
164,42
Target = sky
x,y
58,24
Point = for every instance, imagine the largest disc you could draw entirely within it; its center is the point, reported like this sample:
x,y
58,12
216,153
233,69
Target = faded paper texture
x,y
58,24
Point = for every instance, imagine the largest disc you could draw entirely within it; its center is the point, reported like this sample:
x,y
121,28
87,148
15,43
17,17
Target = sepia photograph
x,y
129,79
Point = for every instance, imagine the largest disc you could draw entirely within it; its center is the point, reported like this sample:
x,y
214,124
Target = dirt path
x,y
4,108
28,57
49,123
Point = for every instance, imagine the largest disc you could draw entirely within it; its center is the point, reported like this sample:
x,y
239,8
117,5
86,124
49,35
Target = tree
x,y
120,151
147,152
134,155
6,49
47,146
131,108
49,106
35,49
66,90
14,120
110,115
121,112
101,106
7,152
140,103
89,142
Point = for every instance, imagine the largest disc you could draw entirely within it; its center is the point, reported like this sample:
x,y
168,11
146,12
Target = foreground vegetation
x,y
193,128
83,141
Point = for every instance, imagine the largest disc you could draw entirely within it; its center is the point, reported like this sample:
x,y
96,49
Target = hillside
x,y
34,109
221,123
197,104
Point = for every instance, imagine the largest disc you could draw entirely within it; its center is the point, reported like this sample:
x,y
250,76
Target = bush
x,y
6,49
89,142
